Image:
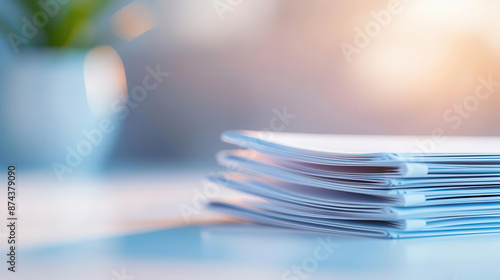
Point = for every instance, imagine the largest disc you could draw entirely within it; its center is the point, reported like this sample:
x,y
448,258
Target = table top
x,y
113,229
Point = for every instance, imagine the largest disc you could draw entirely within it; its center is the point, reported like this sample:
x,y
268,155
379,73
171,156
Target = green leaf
x,y
77,22
31,6
72,26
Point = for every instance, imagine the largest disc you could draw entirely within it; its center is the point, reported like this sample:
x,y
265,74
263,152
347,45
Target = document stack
x,y
378,186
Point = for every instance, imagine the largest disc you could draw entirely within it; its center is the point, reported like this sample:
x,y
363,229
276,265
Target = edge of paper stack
x,y
378,186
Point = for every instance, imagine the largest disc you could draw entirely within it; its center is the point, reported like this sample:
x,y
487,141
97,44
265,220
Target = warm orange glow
x,y
132,21
431,48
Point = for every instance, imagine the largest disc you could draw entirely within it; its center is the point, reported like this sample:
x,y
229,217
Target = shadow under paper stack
x,y
379,186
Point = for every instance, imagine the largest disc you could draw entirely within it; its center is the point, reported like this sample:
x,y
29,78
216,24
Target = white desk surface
x,y
130,225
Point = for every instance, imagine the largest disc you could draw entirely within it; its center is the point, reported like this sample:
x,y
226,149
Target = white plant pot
x,y
46,118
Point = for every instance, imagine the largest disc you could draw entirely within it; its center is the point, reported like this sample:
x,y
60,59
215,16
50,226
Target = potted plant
x,y
52,99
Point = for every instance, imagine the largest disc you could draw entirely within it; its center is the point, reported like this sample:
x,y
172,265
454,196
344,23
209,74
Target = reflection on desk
x,y
248,251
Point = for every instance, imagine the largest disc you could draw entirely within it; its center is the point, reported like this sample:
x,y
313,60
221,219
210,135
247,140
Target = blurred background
x,y
111,112
233,65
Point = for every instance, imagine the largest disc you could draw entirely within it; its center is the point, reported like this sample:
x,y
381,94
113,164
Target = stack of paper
x,y
382,186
